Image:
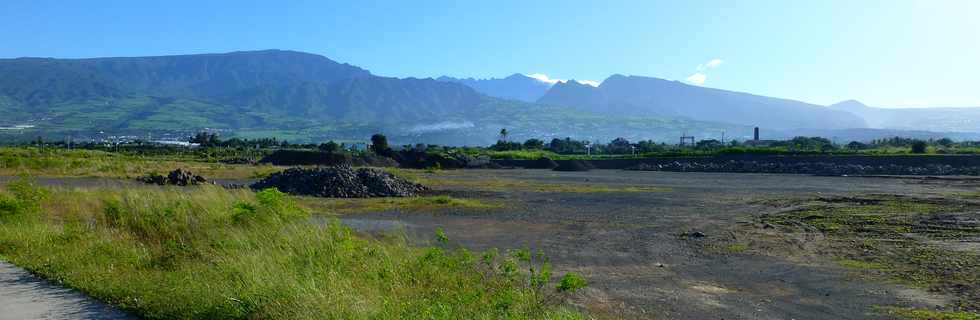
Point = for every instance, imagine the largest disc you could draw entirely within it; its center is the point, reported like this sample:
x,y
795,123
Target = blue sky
x,y
884,53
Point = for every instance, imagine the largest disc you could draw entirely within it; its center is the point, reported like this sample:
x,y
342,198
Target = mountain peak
x,y
848,104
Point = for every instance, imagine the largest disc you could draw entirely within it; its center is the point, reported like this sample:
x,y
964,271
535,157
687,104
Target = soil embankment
x,y
832,165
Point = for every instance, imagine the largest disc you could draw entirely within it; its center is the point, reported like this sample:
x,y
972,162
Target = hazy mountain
x,y
515,87
930,119
288,94
307,97
634,95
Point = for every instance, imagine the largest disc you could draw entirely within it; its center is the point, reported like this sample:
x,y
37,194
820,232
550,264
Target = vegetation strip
x,y
213,253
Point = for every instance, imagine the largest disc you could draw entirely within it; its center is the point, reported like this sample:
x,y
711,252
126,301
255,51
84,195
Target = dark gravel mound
x,y
339,182
573,165
422,160
309,157
543,163
814,168
177,177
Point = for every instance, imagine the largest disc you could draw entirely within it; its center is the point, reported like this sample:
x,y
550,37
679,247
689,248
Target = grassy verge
x,y
924,314
212,253
891,238
87,163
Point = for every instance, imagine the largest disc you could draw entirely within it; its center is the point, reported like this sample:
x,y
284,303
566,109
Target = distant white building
x,y
176,143
359,146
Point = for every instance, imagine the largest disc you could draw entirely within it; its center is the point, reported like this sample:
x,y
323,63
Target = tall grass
x,y
91,163
211,253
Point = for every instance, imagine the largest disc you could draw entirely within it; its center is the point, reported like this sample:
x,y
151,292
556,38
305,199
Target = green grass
x,y
415,204
924,314
859,264
56,162
737,248
211,253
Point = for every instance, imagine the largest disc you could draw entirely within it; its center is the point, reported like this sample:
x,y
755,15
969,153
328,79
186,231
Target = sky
x,y
891,53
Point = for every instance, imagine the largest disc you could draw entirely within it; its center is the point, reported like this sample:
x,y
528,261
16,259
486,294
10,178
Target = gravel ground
x,y
24,296
629,244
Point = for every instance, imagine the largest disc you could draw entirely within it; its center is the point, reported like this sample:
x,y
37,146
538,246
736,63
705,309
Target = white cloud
x,y
714,63
545,78
701,76
697,78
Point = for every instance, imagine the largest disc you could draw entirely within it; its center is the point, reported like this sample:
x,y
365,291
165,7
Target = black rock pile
x,y
815,168
177,177
542,163
340,182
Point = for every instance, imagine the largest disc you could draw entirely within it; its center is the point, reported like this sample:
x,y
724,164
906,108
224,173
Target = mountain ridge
x,y
516,86
620,94
953,119
308,96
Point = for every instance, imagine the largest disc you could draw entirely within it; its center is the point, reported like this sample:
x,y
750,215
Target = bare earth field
x,y
716,245
639,240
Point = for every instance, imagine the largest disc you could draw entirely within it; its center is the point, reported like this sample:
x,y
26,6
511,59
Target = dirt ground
x,y
643,252
648,242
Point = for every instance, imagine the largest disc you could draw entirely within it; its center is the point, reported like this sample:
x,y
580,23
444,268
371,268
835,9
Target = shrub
x,y
571,282
919,147
24,197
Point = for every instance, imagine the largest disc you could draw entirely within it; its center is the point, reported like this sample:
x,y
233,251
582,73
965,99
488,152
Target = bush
x,y
571,282
24,197
919,147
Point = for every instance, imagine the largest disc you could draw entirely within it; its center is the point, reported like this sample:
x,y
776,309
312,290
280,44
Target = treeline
x,y
210,145
621,146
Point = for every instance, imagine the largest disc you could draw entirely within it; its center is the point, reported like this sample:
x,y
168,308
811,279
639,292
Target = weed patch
x,y
213,253
895,238
924,314
414,204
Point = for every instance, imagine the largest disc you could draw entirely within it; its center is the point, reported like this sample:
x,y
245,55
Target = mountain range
x,y
515,87
309,97
928,119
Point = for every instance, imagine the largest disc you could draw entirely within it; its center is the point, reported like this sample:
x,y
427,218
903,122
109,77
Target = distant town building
x,y
757,142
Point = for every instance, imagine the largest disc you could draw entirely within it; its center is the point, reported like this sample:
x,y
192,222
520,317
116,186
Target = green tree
x,y
503,134
533,144
919,146
945,142
379,143
854,145
329,147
